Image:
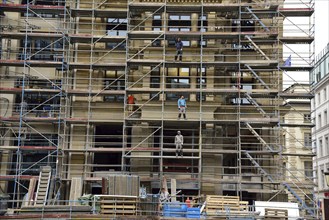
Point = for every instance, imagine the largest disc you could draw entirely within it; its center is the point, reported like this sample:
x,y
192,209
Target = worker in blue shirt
x,y
179,49
181,107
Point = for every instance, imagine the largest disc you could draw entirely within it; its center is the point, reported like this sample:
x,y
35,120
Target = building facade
x,y
319,76
298,153
69,69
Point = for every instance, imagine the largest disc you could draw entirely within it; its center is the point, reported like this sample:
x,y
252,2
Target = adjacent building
x,y
319,77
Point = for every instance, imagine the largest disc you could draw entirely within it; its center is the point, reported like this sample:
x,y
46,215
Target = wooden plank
x,y
222,197
123,206
75,190
105,188
111,185
278,214
235,213
173,189
30,192
116,212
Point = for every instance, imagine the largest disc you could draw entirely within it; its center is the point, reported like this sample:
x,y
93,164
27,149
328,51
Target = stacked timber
x,y
119,205
226,205
55,209
276,214
121,195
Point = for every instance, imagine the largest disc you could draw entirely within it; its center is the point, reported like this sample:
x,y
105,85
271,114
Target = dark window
x,y
156,23
41,49
201,83
245,101
308,169
307,118
39,83
43,105
43,2
181,23
117,27
44,140
115,80
246,25
202,23
178,78
155,79
307,140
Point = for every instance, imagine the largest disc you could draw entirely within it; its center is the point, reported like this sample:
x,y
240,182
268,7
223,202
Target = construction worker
x,y
181,107
179,49
24,107
163,198
179,141
131,102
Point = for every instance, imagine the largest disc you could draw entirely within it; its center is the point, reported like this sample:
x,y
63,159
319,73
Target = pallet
x,y
216,205
276,214
119,205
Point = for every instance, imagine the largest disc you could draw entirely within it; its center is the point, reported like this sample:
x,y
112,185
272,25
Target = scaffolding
x,y
68,67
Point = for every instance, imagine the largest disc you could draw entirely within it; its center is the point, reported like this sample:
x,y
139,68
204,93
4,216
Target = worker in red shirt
x,y
130,102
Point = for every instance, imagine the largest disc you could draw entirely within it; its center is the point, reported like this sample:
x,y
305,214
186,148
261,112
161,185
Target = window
x,y
178,78
181,23
320,150
115,80
307,140
318,76
202,23
155,79
325,115
319,121
201,83
246,25
319,99
43,2
247,88
326,146
38,140
308,169
39,83
307,118
325,94
41,49
156,23
117,27
43,105
309,200
322,183
156,26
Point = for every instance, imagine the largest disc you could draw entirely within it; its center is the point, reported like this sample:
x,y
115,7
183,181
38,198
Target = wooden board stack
x,y
219,205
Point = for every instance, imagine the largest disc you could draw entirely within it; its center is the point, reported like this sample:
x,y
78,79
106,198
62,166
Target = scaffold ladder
x,y
252,130
256,47
256,164
254,103
43,186
257,19
304,206
257,77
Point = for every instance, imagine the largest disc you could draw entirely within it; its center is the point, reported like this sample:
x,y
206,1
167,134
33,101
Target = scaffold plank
x,y
50,9
296,12
100,13
297,40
